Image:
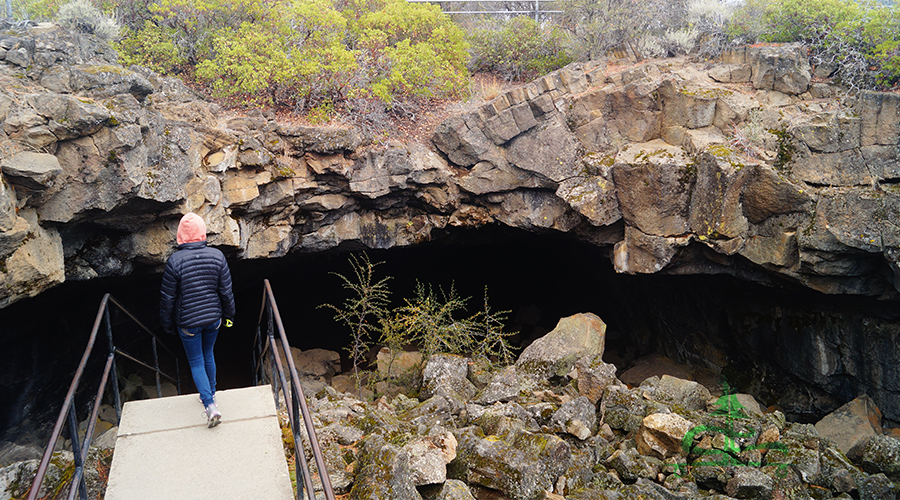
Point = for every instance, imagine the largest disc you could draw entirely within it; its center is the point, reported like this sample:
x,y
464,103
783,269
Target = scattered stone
x,y
749,482
577,417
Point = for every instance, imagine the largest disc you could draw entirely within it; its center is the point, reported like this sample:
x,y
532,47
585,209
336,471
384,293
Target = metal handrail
x,y
68,412
298,407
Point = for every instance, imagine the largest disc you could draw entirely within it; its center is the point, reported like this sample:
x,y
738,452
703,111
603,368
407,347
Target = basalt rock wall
x,y
757,166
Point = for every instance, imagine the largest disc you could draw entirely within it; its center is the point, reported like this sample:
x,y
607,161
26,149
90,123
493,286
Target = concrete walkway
x,y
164,451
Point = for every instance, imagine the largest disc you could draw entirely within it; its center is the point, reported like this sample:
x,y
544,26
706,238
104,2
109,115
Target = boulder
x,y
521,466
397,364
877,454
660,435
428,458
31,170
447,373
685,394
593,376
749,482
383,472
577,417
554,354
851,423
653,184
452,489
623,408
632,466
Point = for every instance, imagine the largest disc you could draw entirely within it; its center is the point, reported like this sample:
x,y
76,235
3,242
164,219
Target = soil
x,y
417,125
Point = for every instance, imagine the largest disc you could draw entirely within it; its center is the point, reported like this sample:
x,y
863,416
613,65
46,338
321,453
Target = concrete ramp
x,y
164,451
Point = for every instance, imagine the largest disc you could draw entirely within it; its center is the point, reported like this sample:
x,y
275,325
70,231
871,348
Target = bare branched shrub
x,y
709,19
82,16
681,41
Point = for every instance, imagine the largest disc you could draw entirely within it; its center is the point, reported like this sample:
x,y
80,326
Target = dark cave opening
x,y
741,330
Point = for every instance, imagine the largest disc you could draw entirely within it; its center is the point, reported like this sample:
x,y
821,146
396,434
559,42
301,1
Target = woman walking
x,y
196,298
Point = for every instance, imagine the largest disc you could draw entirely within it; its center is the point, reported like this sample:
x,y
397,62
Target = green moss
x,y
113,122
786,149
687,174
285,171
3,266
704,93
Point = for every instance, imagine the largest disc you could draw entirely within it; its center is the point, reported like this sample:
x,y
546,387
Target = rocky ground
x,y
559,424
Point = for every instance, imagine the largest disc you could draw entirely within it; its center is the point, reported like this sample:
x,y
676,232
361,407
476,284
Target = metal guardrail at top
x,y
297,408
536,11
68,412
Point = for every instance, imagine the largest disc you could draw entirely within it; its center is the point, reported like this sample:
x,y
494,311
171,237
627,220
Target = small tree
x,y
364,310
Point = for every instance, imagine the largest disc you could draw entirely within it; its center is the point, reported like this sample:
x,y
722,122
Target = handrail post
x,y
270,334
115,379
156,365
297,408
76,450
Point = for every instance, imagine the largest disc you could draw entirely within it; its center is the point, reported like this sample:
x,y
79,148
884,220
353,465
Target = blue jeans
x,y
198,345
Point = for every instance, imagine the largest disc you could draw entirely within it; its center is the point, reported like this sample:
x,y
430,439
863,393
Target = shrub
x,y
859,37
297,59
519,49
600,26
409,50
434,321
311,53
192,22
38,10
151,47
81,16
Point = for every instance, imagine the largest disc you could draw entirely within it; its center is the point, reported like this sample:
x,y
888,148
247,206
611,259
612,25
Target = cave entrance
x,y
730,327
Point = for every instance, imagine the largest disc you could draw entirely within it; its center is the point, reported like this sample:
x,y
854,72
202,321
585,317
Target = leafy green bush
x,y
297,59
859,37
151,47
311,53
518,49
37,10
409,50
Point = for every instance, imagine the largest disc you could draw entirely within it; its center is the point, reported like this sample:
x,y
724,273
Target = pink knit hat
x,y
191,229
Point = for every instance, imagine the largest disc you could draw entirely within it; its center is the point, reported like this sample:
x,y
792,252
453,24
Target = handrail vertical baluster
x,y
296,407
68,415
76,449
280,380
112,350
156,365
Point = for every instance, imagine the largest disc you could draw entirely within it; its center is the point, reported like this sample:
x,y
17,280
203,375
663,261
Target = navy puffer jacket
x,y
196,288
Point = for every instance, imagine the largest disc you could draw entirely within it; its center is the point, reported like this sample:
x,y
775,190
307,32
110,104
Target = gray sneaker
x,y
213,416
201,399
